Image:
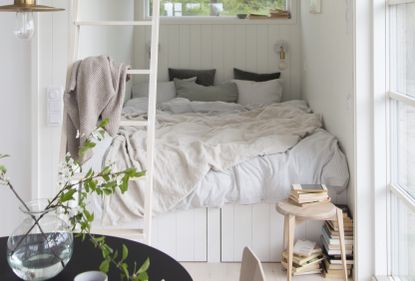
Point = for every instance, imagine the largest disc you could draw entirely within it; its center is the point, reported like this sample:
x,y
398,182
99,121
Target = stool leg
x,y
285,239
285,234
291,234
342,245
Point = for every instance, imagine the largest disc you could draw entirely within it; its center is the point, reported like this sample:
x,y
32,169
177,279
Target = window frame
x,y
397,193
292,6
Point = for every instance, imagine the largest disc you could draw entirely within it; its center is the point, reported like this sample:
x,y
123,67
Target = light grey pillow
x,y
165,90
227,92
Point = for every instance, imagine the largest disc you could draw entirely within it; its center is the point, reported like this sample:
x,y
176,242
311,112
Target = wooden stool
x,y
323,211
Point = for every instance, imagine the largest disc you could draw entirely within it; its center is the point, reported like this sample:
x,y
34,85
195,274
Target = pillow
x,y
165,90
227,92
135,107
251,76
177,105
204,77
254,93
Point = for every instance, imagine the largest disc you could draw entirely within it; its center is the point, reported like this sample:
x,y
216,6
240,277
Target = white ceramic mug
x,y
91,276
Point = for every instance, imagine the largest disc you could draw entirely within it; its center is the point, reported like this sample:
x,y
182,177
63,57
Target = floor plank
x,y
230,272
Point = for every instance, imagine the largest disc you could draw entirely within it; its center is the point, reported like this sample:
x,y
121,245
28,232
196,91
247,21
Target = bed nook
x,y
232,128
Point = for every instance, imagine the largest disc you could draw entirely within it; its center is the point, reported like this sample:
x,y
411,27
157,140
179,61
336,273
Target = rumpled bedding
x,y
191,144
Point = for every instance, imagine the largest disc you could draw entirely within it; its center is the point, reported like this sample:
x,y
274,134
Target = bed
x,y
216,196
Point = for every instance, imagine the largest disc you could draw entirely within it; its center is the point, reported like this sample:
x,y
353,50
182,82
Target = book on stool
x,y
303,195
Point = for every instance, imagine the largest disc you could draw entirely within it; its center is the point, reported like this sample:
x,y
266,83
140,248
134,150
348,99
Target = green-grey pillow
x,y
227,92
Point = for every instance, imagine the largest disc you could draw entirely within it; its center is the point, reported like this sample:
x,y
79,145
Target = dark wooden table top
x,y
85,258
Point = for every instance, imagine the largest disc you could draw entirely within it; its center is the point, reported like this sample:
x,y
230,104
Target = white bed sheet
x,y
315,159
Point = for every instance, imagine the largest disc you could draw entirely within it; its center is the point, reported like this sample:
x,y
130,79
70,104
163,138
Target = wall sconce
x,y
25,26
281,48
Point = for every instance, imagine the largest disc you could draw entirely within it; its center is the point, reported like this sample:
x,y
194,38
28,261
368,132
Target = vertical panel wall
x,y
248,45
15,115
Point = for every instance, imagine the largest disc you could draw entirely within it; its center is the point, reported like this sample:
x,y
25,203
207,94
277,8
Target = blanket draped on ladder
x,y
96,89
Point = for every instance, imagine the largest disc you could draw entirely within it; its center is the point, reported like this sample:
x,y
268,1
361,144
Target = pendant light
x,y
24,9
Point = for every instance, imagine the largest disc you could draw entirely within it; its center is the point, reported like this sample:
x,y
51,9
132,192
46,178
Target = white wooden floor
x,y
230,272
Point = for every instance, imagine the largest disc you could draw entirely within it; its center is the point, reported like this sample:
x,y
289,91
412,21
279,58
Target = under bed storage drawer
x,y
182,235
258,226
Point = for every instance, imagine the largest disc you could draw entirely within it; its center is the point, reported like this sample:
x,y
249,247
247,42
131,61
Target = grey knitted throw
x,y
95,91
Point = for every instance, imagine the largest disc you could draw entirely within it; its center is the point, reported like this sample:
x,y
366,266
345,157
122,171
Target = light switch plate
x,y
54,106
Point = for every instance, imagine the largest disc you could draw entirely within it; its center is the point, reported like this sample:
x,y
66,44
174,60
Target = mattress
x,y
263,179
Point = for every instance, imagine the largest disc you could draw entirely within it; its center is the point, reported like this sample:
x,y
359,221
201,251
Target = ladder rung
x,y
133,123
112,23
138,71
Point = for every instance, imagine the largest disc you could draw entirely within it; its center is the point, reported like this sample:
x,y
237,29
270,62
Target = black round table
x,y
86,257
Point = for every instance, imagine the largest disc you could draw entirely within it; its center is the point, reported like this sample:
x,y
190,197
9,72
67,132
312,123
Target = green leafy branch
x,y
73,184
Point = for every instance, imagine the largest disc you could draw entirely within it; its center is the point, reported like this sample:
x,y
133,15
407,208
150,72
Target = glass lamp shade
x,y
25,26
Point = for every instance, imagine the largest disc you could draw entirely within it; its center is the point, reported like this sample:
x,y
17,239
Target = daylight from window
x,y
402,84
204,8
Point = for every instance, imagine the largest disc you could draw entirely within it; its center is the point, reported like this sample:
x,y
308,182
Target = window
x,y
403,242
205,8
402,137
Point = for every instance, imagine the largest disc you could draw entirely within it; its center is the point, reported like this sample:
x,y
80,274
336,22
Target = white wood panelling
x,y
182,235
223,47
257,226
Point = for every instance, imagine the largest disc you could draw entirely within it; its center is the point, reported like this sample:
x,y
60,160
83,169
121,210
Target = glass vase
x,y
42,245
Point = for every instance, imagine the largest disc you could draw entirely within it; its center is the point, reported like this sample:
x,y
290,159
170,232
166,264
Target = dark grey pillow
x,y
204,77
227,92
257,77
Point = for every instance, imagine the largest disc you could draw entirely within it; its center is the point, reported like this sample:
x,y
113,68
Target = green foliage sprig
x,y
75,183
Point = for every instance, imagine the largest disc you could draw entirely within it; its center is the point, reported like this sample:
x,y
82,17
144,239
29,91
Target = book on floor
x,y
330,239
304,248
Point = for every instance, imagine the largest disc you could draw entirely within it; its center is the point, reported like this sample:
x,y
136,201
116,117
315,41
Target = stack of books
x,y
278,13
308,194
257,16
310,262
273,14
330,238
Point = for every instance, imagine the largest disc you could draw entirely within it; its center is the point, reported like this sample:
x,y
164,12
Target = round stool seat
x,y
323,211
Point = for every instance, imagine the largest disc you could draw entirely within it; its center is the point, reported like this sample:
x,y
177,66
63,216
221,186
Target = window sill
x,y
223,20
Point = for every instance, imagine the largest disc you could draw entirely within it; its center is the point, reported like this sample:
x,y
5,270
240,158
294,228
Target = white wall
x,y
327,79
15,108
53,44
223,45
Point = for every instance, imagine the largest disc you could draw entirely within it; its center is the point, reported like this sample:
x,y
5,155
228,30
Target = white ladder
x,y
142,234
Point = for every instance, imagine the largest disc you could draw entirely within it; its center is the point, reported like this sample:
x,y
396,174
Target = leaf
x,y
104,123
87,146
133,173
89,216
106,171
100,239
67,196
2,156
124,252
115,255
144,267
143,276
89,174
105,266
124,268
3,169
